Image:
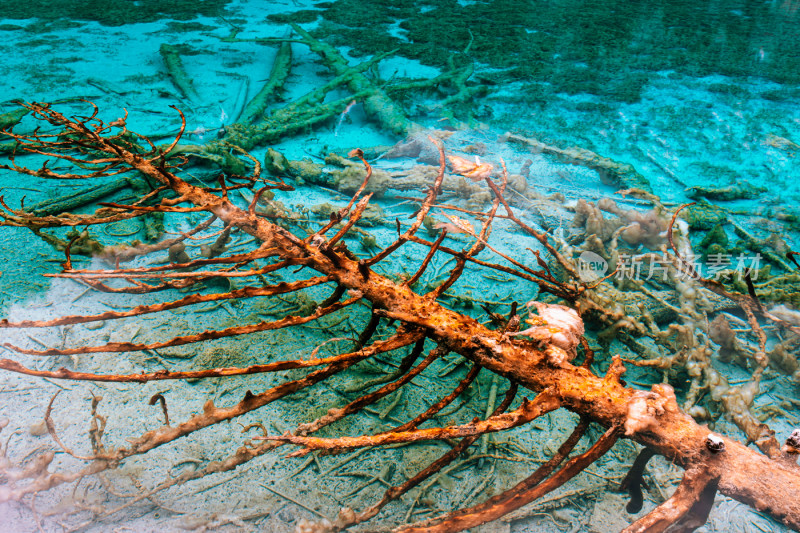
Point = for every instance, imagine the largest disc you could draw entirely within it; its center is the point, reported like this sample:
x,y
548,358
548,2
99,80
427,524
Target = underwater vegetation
x,y
602,48
111,13
481,310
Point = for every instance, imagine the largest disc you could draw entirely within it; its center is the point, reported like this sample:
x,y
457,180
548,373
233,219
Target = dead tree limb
x,y
654,419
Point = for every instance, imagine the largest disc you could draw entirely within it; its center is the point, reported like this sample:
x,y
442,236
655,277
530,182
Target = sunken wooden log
x,y
612,172
377,103
653,419
277,78
172,61
71,202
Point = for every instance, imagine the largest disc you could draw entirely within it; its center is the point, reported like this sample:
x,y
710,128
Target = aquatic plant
x,y
542,364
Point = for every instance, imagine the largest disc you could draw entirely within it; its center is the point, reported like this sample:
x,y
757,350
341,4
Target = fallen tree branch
x,y
651,418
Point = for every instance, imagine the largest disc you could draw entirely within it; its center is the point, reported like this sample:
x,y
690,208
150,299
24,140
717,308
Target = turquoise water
x,y
684,101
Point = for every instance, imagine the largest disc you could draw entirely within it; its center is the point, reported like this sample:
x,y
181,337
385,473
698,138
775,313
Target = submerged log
x,y
176,71
277,78
652,418
76,200
614,173
377,103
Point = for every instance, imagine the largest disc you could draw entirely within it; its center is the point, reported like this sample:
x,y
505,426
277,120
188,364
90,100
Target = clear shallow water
x,y
690,95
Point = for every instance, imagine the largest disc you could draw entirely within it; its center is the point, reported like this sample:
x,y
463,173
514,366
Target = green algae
x,y
298,17
109,13
704,215
729,89
603,48
784,289
743,191
714,242
187,27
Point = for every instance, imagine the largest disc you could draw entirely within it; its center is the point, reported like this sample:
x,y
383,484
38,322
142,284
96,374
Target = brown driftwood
x,y
653,419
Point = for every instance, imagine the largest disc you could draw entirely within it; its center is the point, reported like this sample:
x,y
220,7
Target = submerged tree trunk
x,y
653,419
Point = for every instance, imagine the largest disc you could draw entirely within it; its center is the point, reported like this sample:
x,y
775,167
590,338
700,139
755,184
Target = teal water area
x,y
679,101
